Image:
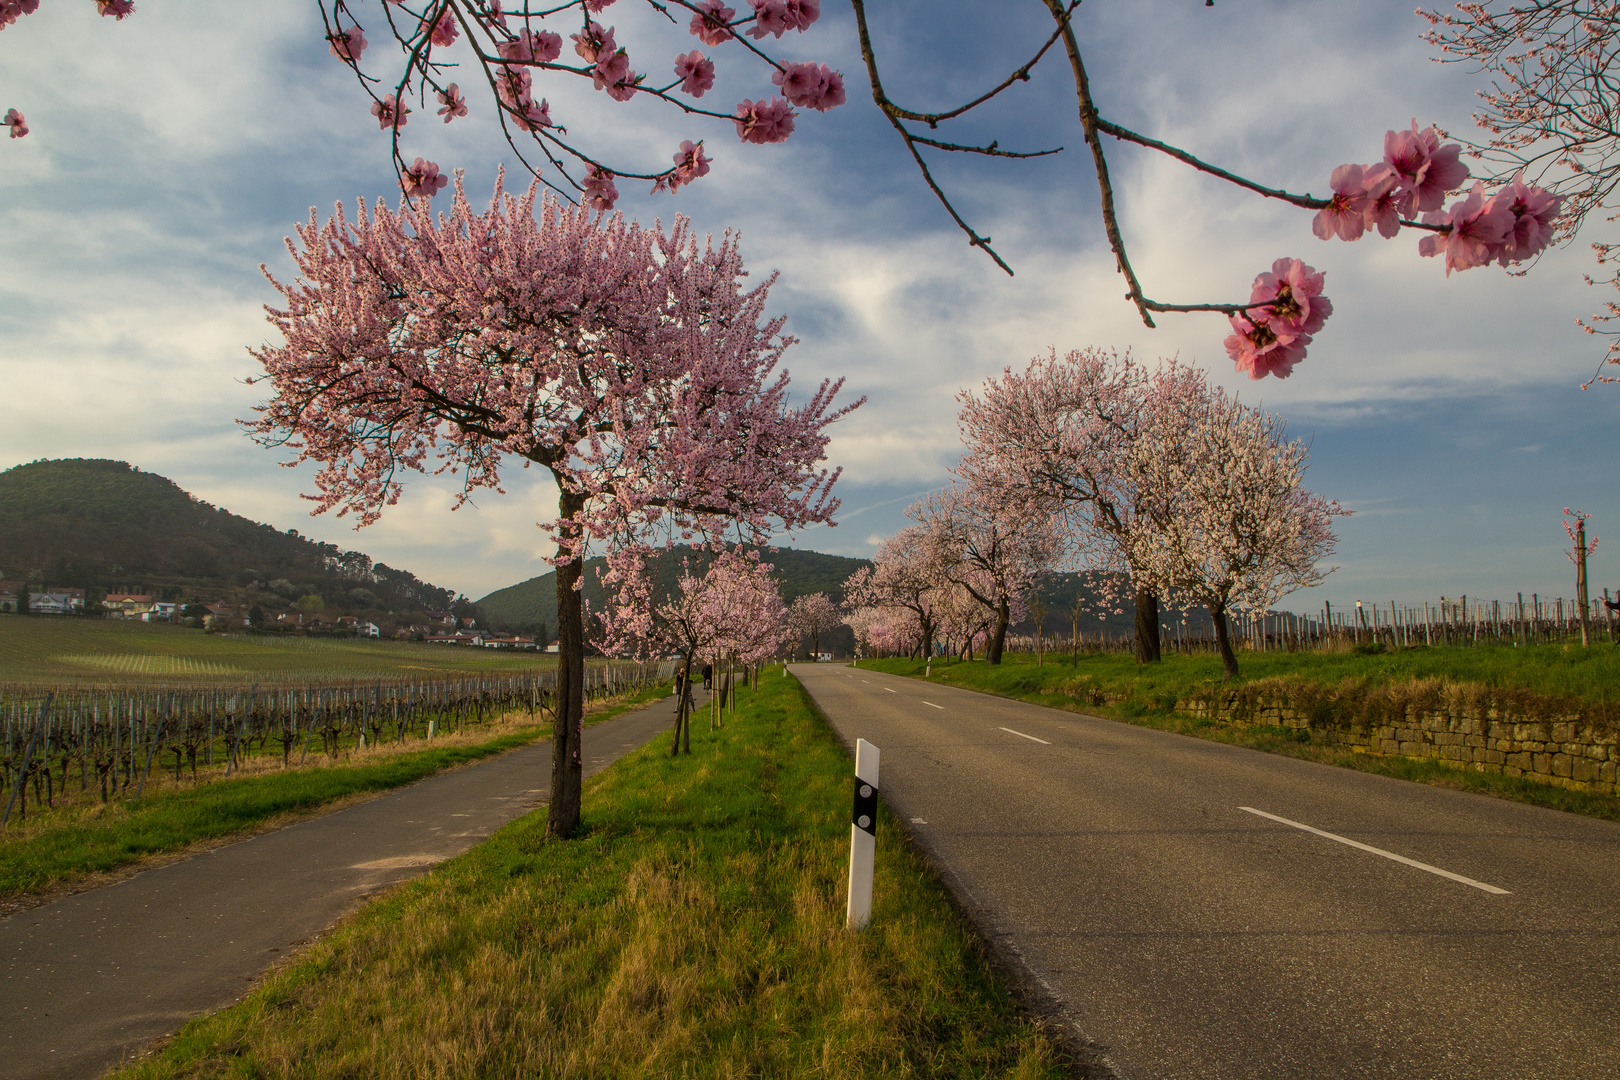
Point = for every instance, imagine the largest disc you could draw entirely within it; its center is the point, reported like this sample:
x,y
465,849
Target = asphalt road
x,y
89,980
1133,873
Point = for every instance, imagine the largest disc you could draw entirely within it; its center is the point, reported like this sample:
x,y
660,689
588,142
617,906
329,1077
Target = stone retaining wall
x,y
1467,730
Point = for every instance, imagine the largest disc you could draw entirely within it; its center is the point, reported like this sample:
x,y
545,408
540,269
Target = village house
x,y
58,601
128,605
456,639
509,643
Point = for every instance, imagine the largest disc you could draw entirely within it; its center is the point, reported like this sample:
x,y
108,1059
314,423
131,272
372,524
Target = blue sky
x,y
171,153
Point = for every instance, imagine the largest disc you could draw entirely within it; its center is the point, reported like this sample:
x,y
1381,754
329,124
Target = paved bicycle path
x,y
89,980
1205,912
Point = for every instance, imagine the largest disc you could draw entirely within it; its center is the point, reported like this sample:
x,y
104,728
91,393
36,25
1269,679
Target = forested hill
x,y
531,603
106,526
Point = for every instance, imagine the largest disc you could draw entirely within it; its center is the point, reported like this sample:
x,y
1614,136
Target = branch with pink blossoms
x,y
1576,532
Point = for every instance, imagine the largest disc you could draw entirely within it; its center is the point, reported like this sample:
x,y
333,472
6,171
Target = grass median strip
x,y
693,929
59,852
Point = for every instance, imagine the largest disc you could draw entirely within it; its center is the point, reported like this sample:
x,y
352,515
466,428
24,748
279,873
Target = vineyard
x,y
50,652
107,741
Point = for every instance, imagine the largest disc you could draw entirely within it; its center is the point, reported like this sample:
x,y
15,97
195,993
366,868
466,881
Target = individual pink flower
x,y
689,165
532,117
1345,214
116,8
389,113
444,31
769,120
770,17
1425,170
598,5
696,73
496,15
12,10
600,192
1479,227
1528,213
1297,306
709,24
454,104
592,42
801,13
423,179
347,44
1383,199
543,46
612,73
15,121
1257,350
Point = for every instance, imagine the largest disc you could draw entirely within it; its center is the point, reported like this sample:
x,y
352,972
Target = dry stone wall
x,y
1566,743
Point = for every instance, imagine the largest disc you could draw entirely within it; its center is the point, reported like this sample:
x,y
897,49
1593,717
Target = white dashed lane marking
x,y
1021,735
941,708
1402,859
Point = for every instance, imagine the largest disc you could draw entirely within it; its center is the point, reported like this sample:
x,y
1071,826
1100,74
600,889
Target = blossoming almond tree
x,y
1057,436
812,615
503,48
996,543
908,571
1221,513
627,362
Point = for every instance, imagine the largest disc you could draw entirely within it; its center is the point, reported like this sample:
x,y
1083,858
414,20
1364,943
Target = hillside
x,y
529,604
106,526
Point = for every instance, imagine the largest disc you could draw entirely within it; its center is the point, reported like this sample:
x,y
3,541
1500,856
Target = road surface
x,y
1204,912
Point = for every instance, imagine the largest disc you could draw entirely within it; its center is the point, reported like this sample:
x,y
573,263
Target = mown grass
x,y
45,650
693,929
1154,691
77,845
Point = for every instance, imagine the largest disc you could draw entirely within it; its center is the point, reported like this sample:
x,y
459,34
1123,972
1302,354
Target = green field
x,y
45,651
695,928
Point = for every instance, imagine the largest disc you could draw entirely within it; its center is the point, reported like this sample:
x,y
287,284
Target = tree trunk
x,y
998,640
683,704
567,770
1223,636
1147,626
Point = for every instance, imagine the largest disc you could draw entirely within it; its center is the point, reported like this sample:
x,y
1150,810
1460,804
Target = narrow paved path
x,y
90,979
1165,892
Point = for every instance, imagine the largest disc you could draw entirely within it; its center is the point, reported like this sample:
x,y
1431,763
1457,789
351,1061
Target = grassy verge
x,y
694,929
81,846
1152,693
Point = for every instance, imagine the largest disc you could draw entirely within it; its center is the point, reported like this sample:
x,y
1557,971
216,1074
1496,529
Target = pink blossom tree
x,y
505,48
996,544
812,615
1057,437
908,572
1578,553
1222,516
629,363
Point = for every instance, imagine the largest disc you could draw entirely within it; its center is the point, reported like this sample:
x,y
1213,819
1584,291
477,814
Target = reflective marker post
x,y
862,836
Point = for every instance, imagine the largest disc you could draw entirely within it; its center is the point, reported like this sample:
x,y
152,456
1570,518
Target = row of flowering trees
x,y
1092,461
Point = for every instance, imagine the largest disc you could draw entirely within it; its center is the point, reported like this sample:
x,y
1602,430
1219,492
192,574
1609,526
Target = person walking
x,y
708,676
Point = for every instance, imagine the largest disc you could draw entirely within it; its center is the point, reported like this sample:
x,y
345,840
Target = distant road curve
x,y
1206,912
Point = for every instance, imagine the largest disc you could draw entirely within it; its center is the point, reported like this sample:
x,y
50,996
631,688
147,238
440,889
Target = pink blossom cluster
x,y
696,73
777,17
811,85
689,165
14,120
1416,175
768,120
611,65
599,191
390,113
1271,339
1577,533
515,88
116,8
423,178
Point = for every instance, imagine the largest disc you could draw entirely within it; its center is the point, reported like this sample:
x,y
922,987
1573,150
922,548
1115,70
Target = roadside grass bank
x,y
694,928
1161,695
84,842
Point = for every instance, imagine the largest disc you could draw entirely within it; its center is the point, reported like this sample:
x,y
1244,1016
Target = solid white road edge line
x,y
1492,889
1021,735
941,708
890,691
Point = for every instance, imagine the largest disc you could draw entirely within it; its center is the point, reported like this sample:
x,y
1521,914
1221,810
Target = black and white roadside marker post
x,y
862,836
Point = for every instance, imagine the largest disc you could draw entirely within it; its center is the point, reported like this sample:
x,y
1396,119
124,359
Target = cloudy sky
x,y
172,151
